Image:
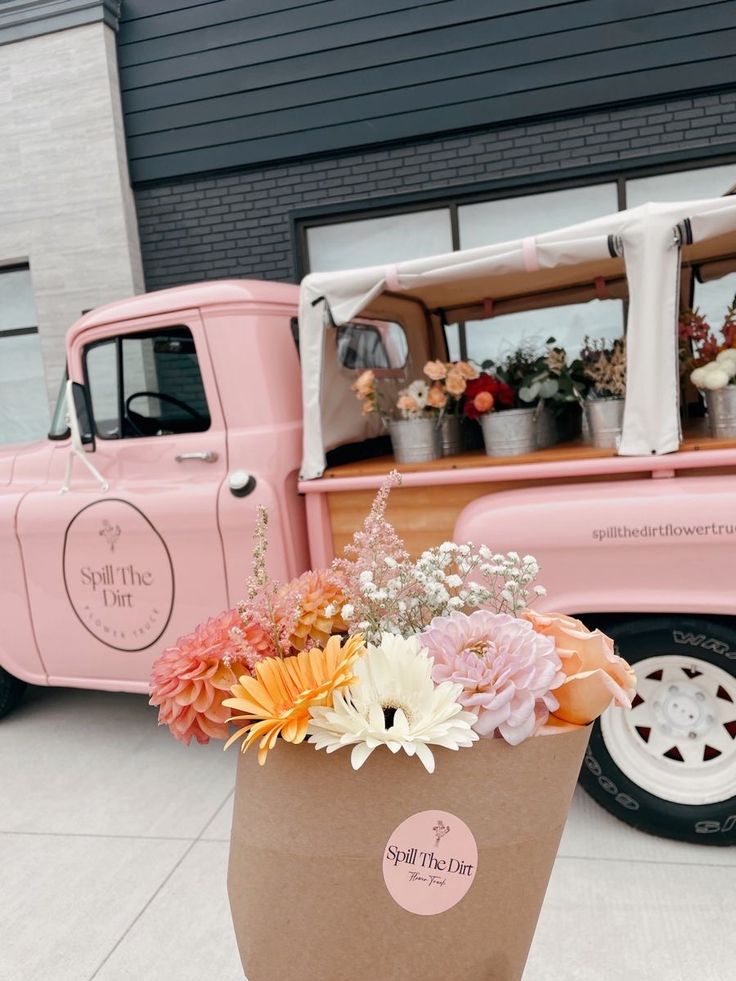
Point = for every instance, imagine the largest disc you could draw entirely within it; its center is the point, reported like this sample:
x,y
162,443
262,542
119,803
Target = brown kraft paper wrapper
x,y
309,835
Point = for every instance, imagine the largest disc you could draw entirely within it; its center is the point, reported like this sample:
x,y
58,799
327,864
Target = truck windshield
x,y
59,428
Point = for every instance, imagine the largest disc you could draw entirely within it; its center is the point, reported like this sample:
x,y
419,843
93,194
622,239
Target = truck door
x,y
116,575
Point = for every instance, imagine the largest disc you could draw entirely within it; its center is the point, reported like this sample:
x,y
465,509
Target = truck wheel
x,y
668,766
11,692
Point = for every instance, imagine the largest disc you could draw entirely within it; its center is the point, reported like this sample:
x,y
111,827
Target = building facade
x,y
150,143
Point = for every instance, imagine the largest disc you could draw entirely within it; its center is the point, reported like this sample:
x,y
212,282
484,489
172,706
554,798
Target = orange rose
x,y
436,370
363,385
407,404
596,676
455,383
483,402
436,397
465,369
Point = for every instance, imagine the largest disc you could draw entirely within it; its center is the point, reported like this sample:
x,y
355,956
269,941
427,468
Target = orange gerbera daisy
x,y
276,702
320,599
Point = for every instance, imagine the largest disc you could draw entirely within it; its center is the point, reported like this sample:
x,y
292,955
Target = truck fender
x,y
619,546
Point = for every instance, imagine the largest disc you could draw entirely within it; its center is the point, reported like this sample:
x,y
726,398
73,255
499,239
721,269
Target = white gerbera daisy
x,y
419,391
394,703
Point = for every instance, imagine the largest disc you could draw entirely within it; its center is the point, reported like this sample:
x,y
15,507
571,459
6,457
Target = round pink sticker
x,y
430,861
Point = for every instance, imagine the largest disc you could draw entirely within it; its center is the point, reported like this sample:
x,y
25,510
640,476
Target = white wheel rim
x,y
678,741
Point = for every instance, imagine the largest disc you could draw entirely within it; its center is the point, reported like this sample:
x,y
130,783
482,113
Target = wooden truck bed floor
x,y
424,517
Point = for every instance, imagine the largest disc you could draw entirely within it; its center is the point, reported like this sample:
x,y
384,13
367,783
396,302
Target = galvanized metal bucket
x,y
546,428
722,411
415,440
451,435
605,419
510,432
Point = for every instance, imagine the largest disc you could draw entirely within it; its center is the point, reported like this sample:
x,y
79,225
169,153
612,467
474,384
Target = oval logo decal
x,y
118,575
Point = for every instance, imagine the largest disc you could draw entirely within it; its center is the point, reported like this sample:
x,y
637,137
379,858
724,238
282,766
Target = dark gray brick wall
x,y
240,224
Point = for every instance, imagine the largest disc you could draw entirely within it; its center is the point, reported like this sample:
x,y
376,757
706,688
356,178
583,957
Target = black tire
x,y
11,692
702,642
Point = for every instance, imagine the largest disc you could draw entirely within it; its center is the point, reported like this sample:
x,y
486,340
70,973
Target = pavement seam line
x,y
156,892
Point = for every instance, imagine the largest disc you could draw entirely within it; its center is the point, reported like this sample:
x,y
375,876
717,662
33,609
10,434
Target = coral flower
x,y
506,670
190,681
276,702
406,403
363,386
319,598
436,370
594,676
483,402
503,394
436,398
455,383
465,369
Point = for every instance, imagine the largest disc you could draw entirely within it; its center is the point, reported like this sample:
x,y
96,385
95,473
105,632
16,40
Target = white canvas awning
x,y
568,264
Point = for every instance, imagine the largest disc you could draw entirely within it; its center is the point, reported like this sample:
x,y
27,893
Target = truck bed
x,y
424,517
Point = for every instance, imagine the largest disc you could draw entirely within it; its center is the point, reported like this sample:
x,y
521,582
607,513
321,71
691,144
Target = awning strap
x,y
391,277
529,252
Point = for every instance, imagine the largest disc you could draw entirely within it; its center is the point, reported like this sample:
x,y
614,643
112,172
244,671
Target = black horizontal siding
x,y
207,88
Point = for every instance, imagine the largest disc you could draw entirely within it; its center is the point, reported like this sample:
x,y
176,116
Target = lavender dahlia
x,y
506,669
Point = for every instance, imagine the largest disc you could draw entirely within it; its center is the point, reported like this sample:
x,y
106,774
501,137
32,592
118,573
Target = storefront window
x,y
490,222
375,241
682,185
24,410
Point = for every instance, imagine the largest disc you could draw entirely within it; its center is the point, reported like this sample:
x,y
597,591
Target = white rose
x,y
728,355
714,379
698,376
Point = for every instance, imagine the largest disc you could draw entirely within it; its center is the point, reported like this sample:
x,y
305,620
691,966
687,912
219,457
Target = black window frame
x,y
118,340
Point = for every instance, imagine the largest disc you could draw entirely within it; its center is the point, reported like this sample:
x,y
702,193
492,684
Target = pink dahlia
x,y
506,673
190,681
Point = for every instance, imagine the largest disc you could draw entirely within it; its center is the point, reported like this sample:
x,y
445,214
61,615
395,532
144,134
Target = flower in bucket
x,y
604,367
393,702
485,394
191,680
505,669
365,391
450,379
277,700
594,676
716,374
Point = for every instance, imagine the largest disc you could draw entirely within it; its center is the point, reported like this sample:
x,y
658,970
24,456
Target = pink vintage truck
x,y
190,407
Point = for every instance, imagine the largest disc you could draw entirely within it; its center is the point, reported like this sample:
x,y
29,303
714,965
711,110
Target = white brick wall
x,y
66,206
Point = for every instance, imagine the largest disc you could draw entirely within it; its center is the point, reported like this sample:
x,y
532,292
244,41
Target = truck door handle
x,y
207,456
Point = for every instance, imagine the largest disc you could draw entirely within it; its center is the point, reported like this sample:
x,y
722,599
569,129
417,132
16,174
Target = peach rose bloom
x,y
436,370
455,383
407,404
436,397
596,676
483,402
363,385
465,369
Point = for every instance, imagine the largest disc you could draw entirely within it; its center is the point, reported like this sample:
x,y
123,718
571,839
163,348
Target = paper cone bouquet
x,y
375,864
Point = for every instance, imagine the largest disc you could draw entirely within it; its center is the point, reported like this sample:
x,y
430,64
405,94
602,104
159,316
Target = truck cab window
x,y
375,346
146,384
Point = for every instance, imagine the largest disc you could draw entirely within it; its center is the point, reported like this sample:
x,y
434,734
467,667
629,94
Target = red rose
x,y
503,394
